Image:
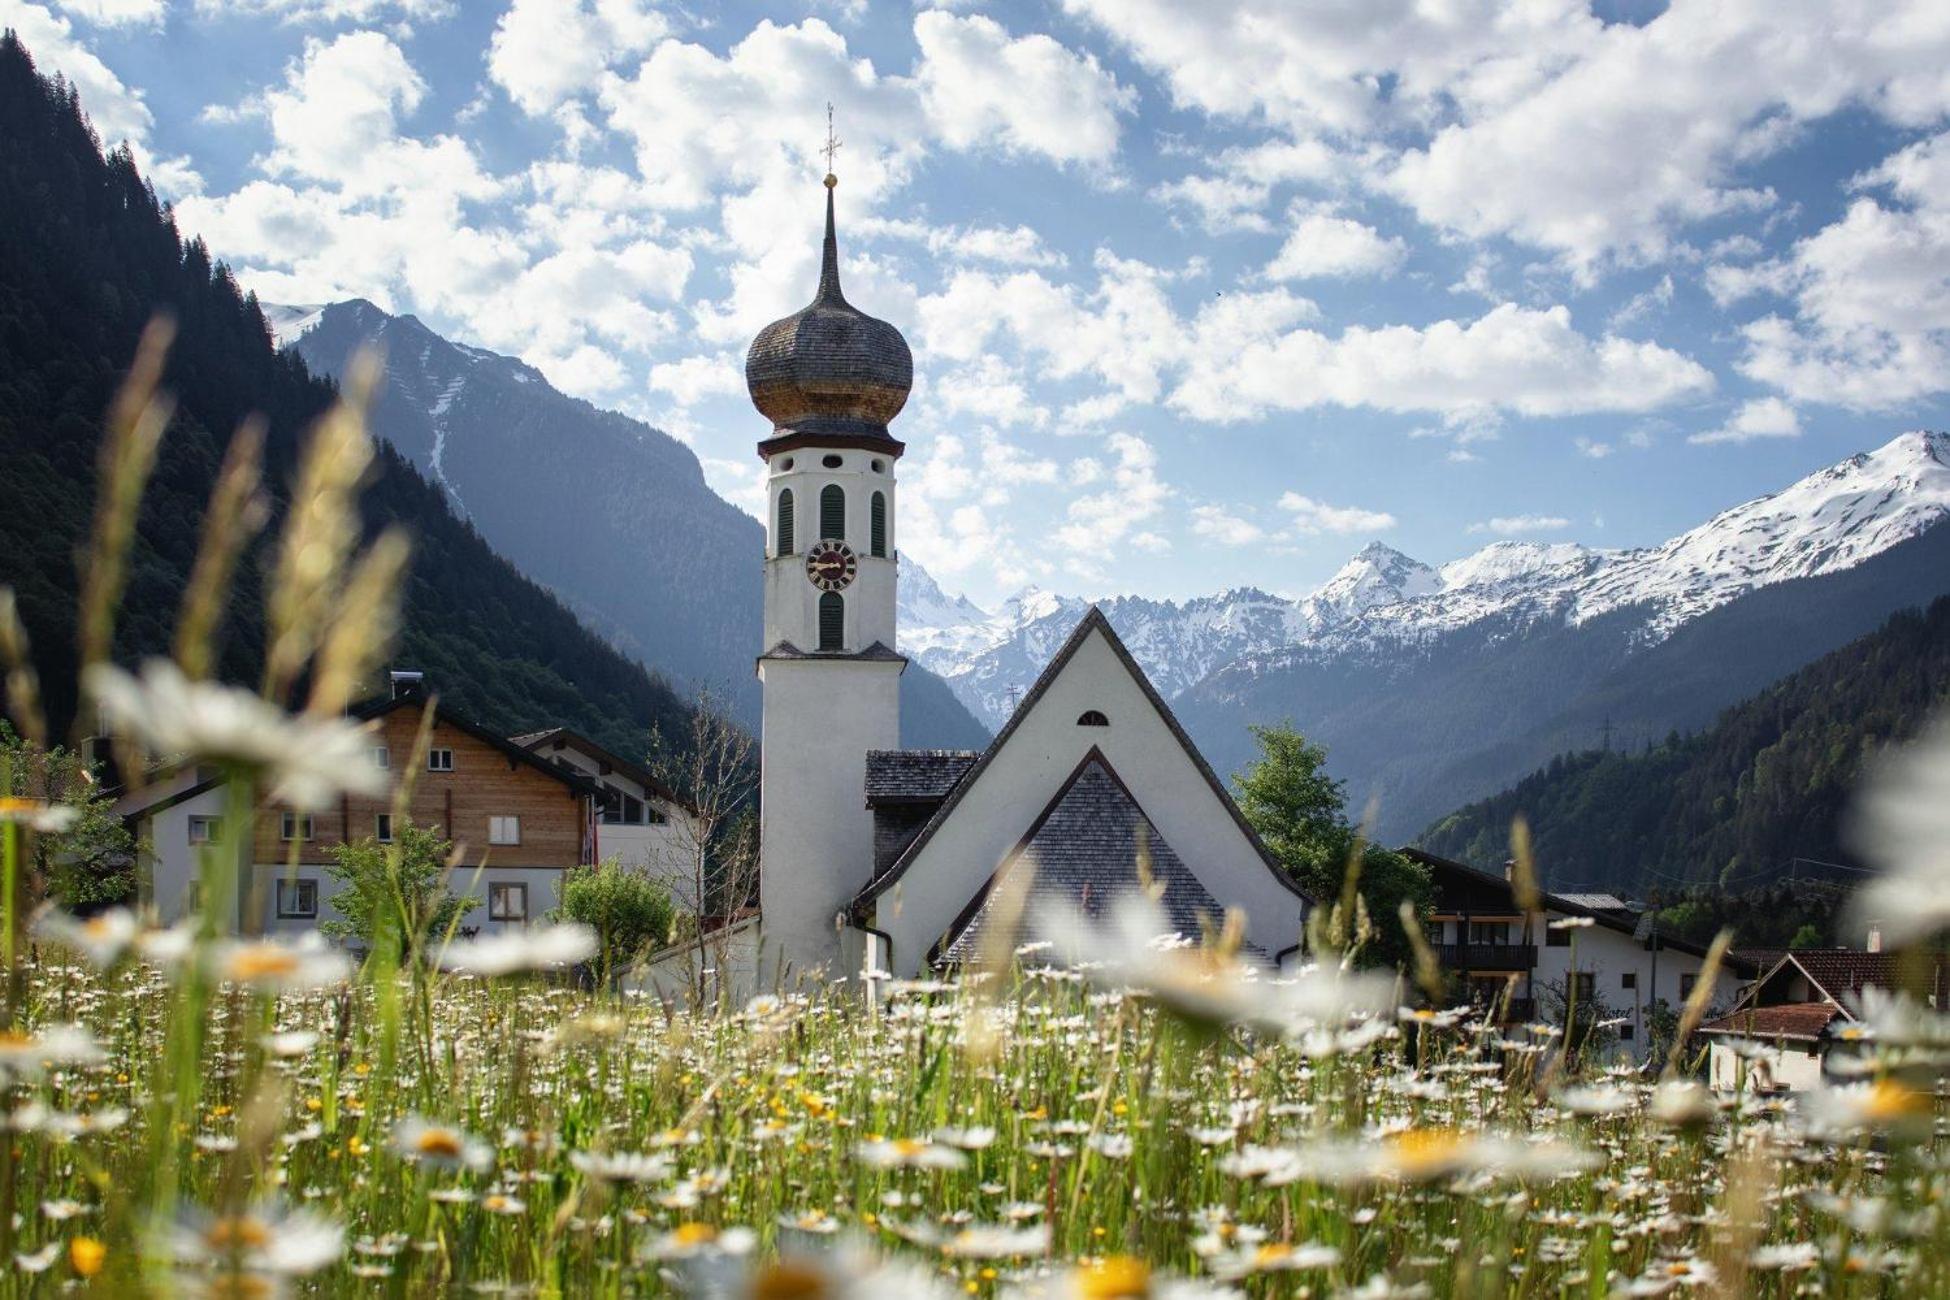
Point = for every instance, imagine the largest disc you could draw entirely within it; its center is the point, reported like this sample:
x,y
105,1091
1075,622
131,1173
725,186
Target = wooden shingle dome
x,y
829,374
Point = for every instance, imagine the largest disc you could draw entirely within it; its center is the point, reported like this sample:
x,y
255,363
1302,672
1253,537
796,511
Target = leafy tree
x,y
419,905
91,864
1808,936
1300,813
630,912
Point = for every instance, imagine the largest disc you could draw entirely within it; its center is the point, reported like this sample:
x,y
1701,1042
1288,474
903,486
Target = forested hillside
x,y
1737,802
87,255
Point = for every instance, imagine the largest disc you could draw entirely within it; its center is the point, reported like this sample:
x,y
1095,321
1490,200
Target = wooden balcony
x,y
1488,956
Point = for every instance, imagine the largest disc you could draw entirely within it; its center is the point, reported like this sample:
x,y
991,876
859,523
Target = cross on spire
x,y
832,141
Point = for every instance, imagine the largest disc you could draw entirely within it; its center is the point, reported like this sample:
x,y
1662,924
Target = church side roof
x,y
1092,621
1084,849
915,775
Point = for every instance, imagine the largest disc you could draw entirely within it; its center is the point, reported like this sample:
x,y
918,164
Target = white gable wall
x,y
1021,779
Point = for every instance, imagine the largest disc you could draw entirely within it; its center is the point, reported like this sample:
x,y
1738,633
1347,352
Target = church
x,y
878,858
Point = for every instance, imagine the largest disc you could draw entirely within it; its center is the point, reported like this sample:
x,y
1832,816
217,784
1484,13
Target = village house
x,y
1802,1017
517,819
1597,946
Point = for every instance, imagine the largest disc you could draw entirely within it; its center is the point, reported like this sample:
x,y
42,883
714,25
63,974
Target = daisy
x,y
267,1239
274,964
545,947
24,1056
306,762
37,814
101,938
440,1146
908,1153
628,1167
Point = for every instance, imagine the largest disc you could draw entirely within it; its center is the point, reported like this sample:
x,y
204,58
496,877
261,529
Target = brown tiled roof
x,y
1845,972
1788,1020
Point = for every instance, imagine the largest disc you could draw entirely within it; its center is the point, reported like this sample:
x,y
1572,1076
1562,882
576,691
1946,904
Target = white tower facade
x,y
829,378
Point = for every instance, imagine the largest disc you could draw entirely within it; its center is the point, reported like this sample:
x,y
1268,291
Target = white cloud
x,y
1234,193
1096,523
1765,417
1026,94
1224,527
689,380
115,13
1321,245
1517,525
330,11
117,110
545,52
1312,517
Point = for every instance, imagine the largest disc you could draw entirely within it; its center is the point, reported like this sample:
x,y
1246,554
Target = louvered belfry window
x,y
785,522
877,525
832,512
832,621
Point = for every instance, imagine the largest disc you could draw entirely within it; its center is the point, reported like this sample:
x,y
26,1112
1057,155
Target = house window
x,y
507,902
1625,1034
877,524
1557,938
382,828
1432,931
1629,980
292,826
785,522
1686,983
381,756
504,830
832,512
1092,718
653,814
297,900
1584,986
205,830
1489,932
832,621
440,760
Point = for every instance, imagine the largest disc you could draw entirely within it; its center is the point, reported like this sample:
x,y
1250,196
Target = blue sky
x,y
1200,295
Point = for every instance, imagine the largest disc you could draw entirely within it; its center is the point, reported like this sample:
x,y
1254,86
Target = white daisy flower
x,y
546,947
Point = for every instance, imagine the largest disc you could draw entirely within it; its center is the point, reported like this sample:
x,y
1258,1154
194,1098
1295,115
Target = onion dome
x,y
829,375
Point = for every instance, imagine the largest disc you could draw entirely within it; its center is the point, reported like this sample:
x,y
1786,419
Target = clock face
x,y
831,565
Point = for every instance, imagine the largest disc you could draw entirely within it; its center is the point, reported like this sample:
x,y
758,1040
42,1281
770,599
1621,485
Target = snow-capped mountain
x,y
1382,601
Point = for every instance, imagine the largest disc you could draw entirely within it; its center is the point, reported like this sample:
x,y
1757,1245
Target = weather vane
x,y
832,142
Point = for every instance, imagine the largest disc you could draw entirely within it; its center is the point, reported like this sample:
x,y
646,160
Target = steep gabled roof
x,y
1092,621
368,710
534,740
1084,847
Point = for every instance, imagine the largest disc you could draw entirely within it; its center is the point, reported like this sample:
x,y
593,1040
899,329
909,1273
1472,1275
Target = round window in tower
x,y
785,464
832,462
880,467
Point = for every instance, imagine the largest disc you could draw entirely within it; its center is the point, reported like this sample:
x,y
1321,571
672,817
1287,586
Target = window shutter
x,y
832,512
785,522
832,621
877,521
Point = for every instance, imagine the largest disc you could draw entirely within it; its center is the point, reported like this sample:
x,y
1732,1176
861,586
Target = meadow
x,y
1094,1110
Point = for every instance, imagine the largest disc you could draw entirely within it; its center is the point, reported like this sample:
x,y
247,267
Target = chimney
x,y
1874,942
408,685
1509,869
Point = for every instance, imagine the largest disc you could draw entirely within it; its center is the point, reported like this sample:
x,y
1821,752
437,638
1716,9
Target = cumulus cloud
x,y
331,11
1096,523
1313,517
545,52
1517,525
1766,417
1322,245
1221,525
116,13
1027,94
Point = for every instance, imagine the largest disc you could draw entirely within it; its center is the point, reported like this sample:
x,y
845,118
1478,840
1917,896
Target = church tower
x,y
829,378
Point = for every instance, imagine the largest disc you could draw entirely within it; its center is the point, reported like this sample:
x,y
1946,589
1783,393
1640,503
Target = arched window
x,y
1092,718
877,525
832,621
832,512
785,522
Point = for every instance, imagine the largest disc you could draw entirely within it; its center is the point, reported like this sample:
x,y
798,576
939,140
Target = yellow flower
x,y
1118,1277
86,1255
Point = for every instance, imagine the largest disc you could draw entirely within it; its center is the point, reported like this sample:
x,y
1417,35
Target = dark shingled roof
x,y
915,775
1842,973
1085,849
